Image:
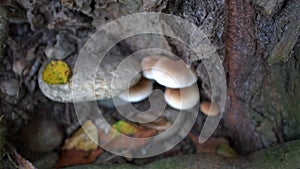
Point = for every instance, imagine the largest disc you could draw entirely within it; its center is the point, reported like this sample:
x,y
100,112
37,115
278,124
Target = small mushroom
x,y
147,65
184,98
209,108
138,92
173,73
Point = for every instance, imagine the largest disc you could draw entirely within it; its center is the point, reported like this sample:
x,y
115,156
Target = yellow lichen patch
x,y
57,72
125,128
86,138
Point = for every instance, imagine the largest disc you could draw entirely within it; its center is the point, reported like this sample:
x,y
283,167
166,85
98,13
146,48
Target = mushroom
x,y
138,92
173,73
147,64
184,98
209,108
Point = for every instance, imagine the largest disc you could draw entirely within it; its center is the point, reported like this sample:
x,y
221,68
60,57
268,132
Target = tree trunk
x,y
263,74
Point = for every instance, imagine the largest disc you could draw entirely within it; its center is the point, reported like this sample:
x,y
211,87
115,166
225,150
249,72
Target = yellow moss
x,y
57,72
125,128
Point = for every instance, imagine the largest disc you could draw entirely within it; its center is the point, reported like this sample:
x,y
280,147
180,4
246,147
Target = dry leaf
x,y
160,124
57,72
125,127
145,134
113,140
210,145
227,151
23,163
78,157
86,138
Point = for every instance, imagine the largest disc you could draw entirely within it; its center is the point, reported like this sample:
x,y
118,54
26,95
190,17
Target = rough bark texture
x,y
240,59
259,96
262,61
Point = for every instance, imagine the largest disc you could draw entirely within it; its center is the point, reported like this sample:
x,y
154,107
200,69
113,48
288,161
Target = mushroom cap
x,y
209,108
138,92
147,64
182,99
173,73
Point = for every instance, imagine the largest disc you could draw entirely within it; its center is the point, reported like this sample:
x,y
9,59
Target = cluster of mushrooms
x,y
180,82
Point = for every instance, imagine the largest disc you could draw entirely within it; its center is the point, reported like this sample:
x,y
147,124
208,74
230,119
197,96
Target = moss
x,y
280,108
282,49
115,166
285,156
288,28
168,163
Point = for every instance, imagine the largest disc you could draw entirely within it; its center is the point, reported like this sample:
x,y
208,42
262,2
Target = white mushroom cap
x,y
182,99
173,73
147,64
209,108
138,92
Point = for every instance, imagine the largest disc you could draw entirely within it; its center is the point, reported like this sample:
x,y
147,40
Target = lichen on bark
x,y
287,31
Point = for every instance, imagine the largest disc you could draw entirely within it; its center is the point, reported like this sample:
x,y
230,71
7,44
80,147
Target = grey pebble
x,y
10,87
42,135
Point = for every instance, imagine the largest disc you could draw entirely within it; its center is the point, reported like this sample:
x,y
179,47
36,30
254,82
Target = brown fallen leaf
x,y
23,163
145,133
114,141
210,145
78,157
159,128
86,138
161,124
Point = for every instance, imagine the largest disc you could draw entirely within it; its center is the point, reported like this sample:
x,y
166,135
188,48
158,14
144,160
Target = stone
x,y
19,66
62,48
42,135
10,87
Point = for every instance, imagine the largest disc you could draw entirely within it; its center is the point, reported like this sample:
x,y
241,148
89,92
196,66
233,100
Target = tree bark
x,y
260,110
240,58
